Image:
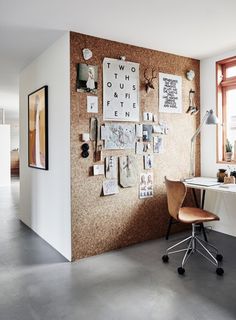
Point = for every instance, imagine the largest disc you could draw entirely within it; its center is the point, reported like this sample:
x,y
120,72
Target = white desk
x,y
195,183
210,184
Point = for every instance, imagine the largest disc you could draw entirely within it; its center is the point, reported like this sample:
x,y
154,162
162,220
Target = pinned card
x,y
147,116
155,118
85,137
111,167
92,104
127,171
110,187
98,169
148,161
158,144
139,130
139,147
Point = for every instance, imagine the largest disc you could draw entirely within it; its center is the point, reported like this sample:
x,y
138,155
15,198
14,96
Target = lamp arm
x,y
200,127
192,158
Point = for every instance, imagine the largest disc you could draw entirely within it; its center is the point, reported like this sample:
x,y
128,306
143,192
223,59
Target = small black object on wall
x,y
85,152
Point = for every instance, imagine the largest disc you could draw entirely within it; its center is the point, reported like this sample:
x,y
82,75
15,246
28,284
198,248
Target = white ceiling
x,y
197,29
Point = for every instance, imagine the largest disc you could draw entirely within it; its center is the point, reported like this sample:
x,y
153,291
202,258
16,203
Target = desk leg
x,y
168,229
202,207
195,198
203,199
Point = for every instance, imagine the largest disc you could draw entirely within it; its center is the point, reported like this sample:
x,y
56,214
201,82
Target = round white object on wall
x,y
190,75
87,54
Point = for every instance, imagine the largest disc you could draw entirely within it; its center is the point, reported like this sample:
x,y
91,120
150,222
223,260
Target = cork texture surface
x,y
101,223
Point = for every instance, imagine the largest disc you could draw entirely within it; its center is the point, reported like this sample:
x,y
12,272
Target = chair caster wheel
x,y
219,257
165,258
220,271
181,270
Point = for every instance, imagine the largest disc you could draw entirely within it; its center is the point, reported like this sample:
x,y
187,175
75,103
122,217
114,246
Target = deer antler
x,y
154,75
145,75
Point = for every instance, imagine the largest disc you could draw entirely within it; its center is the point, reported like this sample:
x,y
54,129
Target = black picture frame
x,y
38,129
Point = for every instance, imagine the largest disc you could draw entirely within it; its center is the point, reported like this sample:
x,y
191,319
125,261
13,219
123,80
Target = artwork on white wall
x,y
146,185
38,129
170,93
120,90
119,136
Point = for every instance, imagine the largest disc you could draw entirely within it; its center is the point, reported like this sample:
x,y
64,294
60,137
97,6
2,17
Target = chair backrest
x,y
176,192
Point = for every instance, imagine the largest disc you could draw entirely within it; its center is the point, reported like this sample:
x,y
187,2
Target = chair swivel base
x,y
193,243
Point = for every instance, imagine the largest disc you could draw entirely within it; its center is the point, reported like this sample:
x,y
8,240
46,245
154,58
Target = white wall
x,y
14,124
45,195
222,204
5,177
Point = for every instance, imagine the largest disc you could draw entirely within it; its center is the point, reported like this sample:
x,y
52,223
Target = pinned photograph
x,y
158,145
147,132
92,104
146,185
148,161
87,78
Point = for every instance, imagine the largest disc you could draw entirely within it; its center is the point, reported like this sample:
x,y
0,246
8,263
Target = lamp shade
x,y
211,118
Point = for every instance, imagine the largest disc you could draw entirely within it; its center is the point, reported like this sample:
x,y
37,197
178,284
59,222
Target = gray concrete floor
x,y
36,283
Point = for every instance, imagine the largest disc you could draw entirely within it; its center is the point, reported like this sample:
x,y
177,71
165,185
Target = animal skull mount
x,y
149,80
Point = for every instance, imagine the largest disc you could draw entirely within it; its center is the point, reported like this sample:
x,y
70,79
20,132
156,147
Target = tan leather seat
x,y
176,192
196,215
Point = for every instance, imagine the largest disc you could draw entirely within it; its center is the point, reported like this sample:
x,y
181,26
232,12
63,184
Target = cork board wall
x,y
101,223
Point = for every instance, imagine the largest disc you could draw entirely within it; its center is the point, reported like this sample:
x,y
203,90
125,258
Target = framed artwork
x,y
120,90
170,93
38,129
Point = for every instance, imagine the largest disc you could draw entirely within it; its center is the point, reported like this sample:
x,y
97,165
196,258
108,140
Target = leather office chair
x,y
176,192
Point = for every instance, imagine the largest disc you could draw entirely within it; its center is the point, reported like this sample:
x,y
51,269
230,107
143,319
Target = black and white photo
x,y
87,78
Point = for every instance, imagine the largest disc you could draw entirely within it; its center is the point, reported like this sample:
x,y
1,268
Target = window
x,y
226,107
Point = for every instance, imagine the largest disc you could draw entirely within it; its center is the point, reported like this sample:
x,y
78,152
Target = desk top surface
x,y
205,183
